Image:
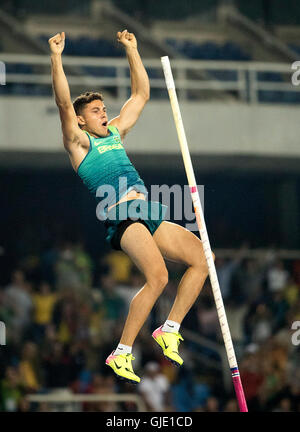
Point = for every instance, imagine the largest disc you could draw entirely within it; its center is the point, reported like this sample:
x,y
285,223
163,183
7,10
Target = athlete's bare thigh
x,y
178,244
138,243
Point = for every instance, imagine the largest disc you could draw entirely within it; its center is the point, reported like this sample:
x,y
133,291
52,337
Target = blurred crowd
x,y
64,313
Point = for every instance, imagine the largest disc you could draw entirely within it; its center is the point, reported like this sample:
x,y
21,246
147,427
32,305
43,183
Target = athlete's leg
x,y
178,244
138,244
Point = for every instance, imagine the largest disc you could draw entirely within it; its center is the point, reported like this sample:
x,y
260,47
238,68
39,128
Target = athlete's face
x,y
94,118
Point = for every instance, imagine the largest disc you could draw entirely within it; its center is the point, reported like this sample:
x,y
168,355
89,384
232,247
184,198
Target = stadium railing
x,y
245,81
69,401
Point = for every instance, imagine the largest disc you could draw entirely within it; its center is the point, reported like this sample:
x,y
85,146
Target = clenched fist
x,y
127,39
57,43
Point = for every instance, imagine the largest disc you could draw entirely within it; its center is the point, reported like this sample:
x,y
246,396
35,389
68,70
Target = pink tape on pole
x,y
239,392
193,189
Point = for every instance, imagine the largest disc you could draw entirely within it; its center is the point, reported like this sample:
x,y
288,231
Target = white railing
x,y
259,254
190,75
64,399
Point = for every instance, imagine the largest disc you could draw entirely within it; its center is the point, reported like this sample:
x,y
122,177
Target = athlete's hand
x,y
57,43
127,39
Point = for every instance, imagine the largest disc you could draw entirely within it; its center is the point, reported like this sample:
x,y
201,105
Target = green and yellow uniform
x,y
107,167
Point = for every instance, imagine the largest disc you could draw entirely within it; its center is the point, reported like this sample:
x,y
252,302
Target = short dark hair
x,y
84,99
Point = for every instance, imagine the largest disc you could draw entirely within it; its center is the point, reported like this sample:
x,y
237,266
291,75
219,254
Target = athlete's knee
x,y
158,278
199,261
202,266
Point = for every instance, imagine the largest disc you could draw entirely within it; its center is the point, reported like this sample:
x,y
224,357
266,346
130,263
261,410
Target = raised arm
x,y
140,88
72,134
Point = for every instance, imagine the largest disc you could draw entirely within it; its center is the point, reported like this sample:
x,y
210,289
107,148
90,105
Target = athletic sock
x,y
123,349
171,326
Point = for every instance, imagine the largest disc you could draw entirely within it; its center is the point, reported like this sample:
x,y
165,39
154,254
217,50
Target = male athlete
x,y
95,148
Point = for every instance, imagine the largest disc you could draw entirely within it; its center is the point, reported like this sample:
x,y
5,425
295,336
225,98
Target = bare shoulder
x,y
73,136
116,123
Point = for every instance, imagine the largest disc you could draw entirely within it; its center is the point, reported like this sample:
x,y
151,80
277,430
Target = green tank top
x,y
107,164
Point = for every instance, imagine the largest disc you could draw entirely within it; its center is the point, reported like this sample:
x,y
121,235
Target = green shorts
x,y
149,213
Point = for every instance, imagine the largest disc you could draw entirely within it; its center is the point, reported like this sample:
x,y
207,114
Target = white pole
x,y
203,234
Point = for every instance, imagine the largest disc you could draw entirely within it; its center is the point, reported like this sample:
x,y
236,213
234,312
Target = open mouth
x,y
104,123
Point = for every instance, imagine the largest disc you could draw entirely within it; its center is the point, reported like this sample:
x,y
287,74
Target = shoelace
x,y
130,357
127,356
179,338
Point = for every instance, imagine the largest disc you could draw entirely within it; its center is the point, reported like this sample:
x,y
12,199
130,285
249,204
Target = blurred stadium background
x,y
63,291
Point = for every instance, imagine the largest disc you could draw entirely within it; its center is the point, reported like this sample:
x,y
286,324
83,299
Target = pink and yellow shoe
x,y
121,365
169,342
